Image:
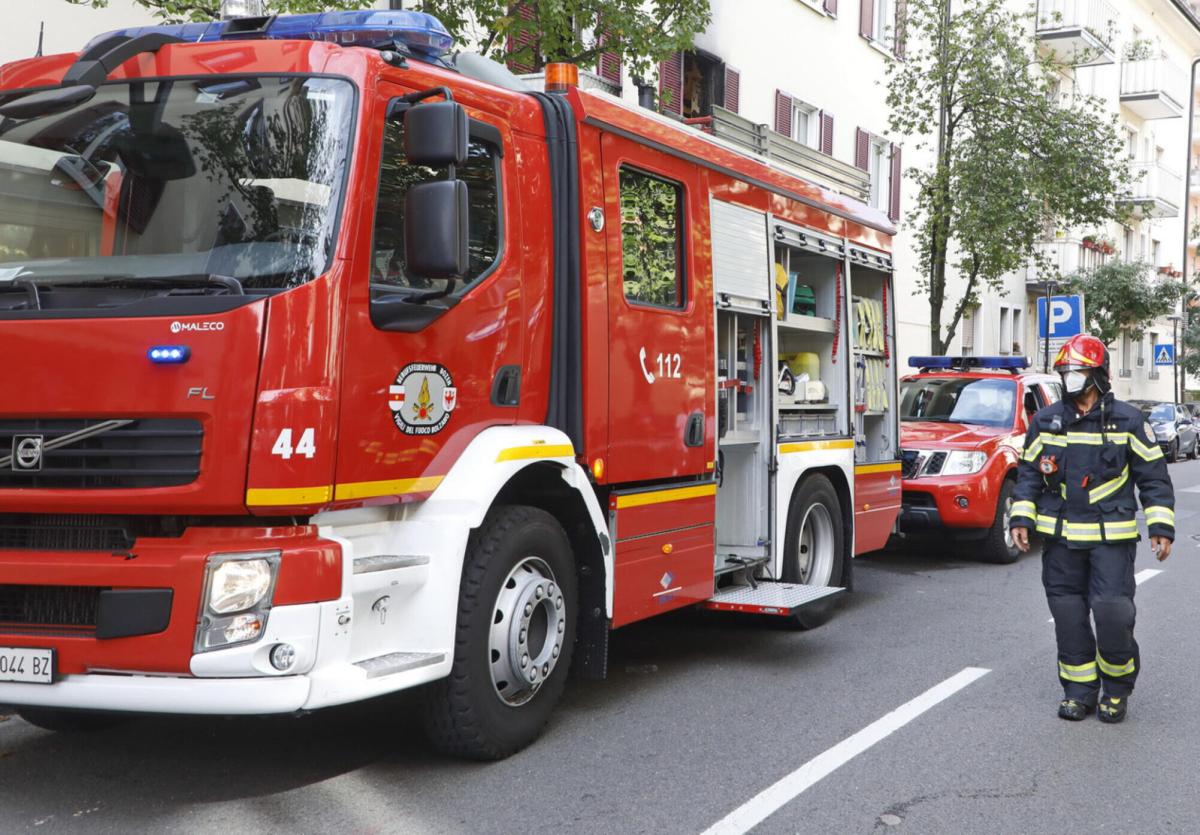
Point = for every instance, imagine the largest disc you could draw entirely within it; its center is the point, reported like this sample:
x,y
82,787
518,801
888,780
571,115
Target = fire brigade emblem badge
x,y
422,398
1048,465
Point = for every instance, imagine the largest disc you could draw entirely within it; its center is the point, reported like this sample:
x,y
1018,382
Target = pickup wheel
x,y
60,720
814,553
998,546
515,634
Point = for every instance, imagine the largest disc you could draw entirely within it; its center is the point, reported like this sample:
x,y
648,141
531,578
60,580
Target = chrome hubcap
x,y
526,638
816,546
1006,521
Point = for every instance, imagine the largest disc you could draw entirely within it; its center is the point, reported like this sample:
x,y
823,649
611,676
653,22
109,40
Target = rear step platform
x,y
769,598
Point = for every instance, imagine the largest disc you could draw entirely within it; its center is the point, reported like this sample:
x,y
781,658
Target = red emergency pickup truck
x,y
962,428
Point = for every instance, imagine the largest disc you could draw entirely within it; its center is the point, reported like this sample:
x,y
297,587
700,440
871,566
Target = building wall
x,y
67,27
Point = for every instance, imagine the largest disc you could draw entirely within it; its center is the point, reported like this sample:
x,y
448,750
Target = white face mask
x,y
1075,381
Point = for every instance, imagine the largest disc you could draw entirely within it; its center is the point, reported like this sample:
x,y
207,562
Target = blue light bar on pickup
x,y
961,363
416,32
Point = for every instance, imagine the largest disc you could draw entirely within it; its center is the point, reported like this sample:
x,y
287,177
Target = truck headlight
x,y
237,598
964,462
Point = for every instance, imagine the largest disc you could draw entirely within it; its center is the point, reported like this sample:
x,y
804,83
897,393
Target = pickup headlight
x,y
963,462
237,598
1164,430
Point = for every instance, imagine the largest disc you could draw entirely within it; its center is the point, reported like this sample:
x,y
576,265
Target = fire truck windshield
x,y
239,177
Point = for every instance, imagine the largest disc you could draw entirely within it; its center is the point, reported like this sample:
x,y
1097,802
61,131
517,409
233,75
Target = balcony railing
x,y
811,163
1079,32
1156,191
1154,88
1068,256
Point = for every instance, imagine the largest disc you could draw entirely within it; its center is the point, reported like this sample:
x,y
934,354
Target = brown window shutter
x,y
527,63
783,113
670,84
866,18
826,133
894,201
831,7
898,29
609,65
733,89
862,149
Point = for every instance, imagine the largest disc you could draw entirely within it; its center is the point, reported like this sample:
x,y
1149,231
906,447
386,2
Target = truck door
x,y
661,404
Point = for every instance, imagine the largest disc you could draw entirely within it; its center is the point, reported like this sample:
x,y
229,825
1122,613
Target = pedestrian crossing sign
x,y
1164,354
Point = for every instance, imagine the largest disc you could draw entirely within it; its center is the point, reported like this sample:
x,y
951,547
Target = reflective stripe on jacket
x,y
1077,475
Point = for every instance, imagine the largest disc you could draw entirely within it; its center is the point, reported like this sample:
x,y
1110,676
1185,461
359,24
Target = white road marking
x,y
1139,578
754,811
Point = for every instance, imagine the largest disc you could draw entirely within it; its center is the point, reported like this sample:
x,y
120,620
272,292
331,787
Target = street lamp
x,y
1176,394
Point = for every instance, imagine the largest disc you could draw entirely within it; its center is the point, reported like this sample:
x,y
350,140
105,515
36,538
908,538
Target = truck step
x,y
732,564
769,598
398,662
386,562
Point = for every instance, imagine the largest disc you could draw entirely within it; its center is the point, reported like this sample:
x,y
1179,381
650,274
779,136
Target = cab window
x,y
481,173
651,240
1053,391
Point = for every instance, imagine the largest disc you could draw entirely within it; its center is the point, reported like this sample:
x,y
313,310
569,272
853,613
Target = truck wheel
x,y
515,634
814,551
61,720
998,546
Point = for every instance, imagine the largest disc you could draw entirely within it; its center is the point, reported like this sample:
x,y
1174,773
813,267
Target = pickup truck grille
x,y
66,607
914,463
151,452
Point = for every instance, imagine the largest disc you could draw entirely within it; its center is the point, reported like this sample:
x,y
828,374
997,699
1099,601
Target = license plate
x,y
28,666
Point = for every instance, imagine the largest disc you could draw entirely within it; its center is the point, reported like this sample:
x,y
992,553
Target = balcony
x,y
1154,88
1156,191
807,162
1079,32
1067,256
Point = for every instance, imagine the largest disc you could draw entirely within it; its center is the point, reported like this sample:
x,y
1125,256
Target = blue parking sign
x,y
1164,354
1065,319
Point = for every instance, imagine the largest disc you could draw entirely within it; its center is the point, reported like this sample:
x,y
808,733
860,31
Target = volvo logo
x,y
181,327
27,453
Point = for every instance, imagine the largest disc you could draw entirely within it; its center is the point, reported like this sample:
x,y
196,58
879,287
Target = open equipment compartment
x,y
808,274
873,339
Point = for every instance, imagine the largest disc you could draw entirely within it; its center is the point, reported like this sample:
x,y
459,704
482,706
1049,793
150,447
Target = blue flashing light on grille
x,y
999,363
169,354
421,34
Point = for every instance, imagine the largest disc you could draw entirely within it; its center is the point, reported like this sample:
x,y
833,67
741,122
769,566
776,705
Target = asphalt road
x,y
700,715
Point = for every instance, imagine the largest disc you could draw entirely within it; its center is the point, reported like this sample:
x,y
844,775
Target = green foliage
x,y
650,238
185,11
1017,158
1189,339
574,31
1120,295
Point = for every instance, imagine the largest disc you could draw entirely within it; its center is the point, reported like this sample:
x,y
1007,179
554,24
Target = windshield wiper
x,y
223,282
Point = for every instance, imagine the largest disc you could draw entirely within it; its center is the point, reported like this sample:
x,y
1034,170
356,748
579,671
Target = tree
x,y
1015,158
537,32
197,11
1120,295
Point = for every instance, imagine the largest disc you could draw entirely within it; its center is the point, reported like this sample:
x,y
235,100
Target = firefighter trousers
x,y
1096,581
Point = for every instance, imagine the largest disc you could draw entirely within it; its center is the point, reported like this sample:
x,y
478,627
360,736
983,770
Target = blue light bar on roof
x,y
417,32
1002,363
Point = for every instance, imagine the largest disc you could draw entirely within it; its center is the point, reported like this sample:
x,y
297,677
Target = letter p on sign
x,y
1064,318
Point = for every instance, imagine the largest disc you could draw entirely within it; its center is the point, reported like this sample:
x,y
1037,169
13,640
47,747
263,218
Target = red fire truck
x,y
336,365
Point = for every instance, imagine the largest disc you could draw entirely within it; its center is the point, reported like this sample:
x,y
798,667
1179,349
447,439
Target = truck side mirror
x,y
436,134
436,230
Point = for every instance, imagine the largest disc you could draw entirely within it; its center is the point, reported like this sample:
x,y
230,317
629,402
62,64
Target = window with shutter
x,y
894,201
733,89
826,133
830,7
866,18
670,84
783,113
898,32
608,66
862,149
527,61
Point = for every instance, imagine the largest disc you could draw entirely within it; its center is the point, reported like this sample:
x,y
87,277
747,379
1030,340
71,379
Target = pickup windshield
x,y
239,177
978,401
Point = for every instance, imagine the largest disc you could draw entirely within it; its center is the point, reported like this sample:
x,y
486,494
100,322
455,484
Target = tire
x,y
1194,452
518,561
1173,452
998,546
70,721
814,552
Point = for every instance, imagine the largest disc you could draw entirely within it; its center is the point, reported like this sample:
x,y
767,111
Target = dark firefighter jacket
x,y
1076,477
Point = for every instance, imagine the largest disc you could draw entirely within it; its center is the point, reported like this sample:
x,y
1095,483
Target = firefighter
x,y
1083,456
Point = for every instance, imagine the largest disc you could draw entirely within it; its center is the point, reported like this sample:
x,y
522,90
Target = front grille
x,y
49,606
915,462
908,463
82,532
936,462
152,452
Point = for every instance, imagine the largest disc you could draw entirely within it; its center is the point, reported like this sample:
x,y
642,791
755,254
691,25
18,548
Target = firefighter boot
x,y
1074,710
1112,709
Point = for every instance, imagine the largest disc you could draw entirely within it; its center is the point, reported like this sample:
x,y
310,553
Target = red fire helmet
x,y
1081,352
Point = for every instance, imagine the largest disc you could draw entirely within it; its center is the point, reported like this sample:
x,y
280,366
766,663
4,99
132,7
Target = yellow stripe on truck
x,y
677,494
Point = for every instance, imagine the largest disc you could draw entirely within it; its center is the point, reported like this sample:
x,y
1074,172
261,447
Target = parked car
x,y
1193,410
963,424
1174,427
